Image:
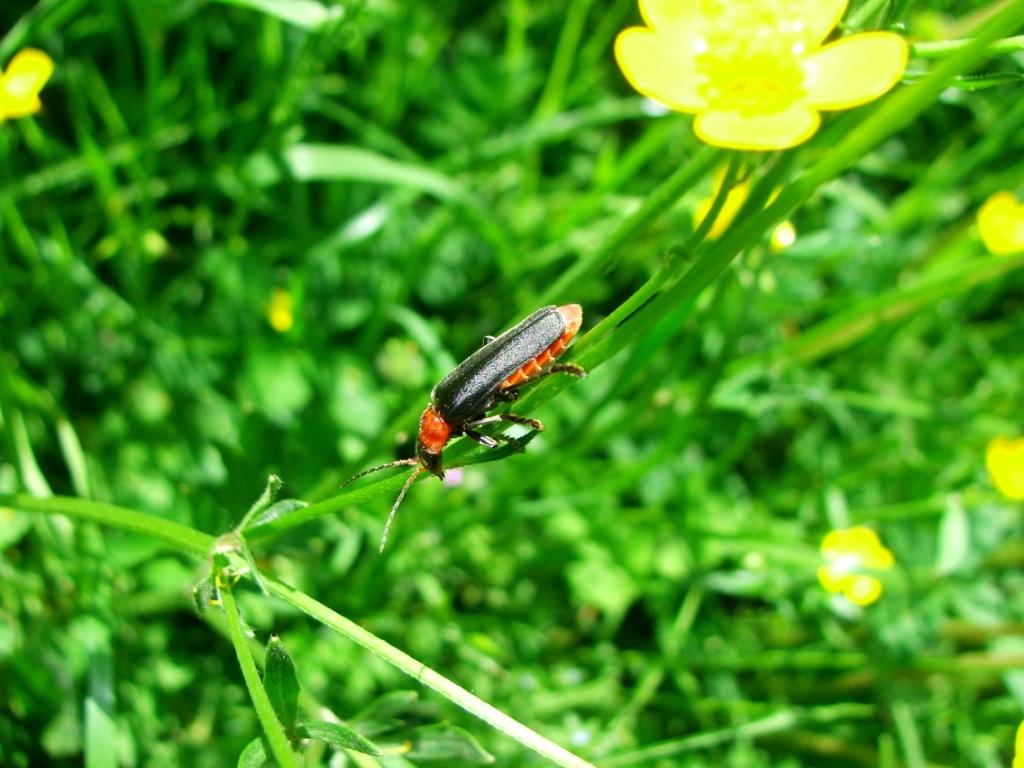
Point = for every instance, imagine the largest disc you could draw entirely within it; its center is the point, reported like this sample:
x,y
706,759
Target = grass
x,y
639,586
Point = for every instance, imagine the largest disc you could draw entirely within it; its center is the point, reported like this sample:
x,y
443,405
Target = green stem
x,y
845,328
785,661
194,542
461,454
654,205
276,737
561,66
428,677
783,720
179,536
624,721
946,47
909,734
864,12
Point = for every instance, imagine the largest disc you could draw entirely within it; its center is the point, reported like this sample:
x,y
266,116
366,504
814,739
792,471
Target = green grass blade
x,y
304,14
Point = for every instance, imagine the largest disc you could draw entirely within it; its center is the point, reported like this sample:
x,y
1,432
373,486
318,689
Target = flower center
x,y
749,55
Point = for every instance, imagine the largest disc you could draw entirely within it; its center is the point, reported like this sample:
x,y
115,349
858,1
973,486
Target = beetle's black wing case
x,y
469,390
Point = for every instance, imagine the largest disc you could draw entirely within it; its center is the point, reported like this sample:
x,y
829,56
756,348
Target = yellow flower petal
x,y
1004,459
21,83
831,580
863,590
846,552
1001,224
860,539
660,67
854,70
757,132
670,13
1018,749
821,17
879,558
833,543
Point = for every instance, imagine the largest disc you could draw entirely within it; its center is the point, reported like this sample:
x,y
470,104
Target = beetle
x,y
490,376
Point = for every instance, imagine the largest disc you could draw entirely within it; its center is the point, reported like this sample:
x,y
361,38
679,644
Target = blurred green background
x,y
387,182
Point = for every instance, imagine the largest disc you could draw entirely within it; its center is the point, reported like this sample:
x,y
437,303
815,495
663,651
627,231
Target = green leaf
x,y
446,742
62,737
266,498
74,456
202,593
954,538
338,735
261,504
279,509
254,755
31,475
281,683
304,14
846,327
1013,679
276,385
100,731
598,580
100,734
330,162
13,525
385,713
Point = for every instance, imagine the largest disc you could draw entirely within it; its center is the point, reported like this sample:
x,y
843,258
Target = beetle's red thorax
x,y
572,316
434,431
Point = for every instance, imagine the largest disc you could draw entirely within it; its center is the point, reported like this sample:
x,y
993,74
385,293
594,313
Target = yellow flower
x,y
783,236
1018,749
280,311
755,71
1005,461
1001,224
848,551
21,83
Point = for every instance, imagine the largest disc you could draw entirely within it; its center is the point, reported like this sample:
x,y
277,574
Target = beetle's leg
x,y
526,421
485,440
482,421
509,395
492,442
571,369
515,418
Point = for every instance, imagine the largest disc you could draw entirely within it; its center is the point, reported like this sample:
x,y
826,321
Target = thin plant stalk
x,y
272,728
194,542
427,676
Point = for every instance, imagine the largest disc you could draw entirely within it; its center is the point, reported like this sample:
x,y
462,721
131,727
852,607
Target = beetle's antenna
x,y
391,516
379,467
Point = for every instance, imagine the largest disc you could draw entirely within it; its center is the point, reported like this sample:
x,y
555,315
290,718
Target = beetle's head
x,y
432,462
433,437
